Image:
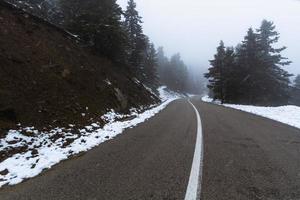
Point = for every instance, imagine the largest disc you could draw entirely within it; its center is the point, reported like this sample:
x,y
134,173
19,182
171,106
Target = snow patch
x,y
165,94
136,81
285,114
149,90
45,149
107,81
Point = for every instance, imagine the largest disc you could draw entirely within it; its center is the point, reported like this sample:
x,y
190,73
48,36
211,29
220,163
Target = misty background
x,y
195,27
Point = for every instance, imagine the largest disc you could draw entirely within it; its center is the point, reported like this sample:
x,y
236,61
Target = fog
x,y
195,27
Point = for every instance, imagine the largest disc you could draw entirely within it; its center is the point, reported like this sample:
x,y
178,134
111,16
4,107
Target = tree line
x,y
104,27
252,72
172,71
297,82
295,91
113,33
116,34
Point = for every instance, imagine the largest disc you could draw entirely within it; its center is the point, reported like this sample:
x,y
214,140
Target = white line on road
x,y
194,187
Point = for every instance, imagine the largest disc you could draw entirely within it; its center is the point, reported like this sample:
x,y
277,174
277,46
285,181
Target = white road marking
x,y
194,187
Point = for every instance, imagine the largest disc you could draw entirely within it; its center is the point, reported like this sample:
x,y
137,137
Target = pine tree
x,y
215,74
45,9
252,74
98,24
276,80
297,82
248,61
230,76
178,74
295,92
137,39
163,65
172,72
150,67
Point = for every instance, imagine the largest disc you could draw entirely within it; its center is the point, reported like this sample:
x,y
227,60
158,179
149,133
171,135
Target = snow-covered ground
x,y
45,149
286,114
165,94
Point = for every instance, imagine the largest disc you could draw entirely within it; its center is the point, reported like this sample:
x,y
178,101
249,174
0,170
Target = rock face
x,y
46,78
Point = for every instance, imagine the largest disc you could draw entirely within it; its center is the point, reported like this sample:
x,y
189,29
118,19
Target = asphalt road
x,y
248,157
245,157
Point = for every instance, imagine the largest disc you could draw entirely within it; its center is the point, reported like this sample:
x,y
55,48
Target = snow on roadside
x,y
43,150
149,90
285,114
165,94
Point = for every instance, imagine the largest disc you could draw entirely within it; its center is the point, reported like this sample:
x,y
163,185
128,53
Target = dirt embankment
x,y
46,78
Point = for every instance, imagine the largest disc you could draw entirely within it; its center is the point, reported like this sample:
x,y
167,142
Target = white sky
x,y
195,27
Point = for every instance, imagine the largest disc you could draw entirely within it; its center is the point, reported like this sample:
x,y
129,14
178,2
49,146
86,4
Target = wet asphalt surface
x,y
245,157
151,161
248,157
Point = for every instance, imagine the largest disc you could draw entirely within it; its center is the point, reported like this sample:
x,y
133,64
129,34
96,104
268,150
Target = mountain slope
x,y
46,78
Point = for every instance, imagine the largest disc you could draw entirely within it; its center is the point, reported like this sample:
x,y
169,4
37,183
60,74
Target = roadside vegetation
x,y
295,91
252,72
117,35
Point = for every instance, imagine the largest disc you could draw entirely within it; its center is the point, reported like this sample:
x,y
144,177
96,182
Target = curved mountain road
x,y
244,157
